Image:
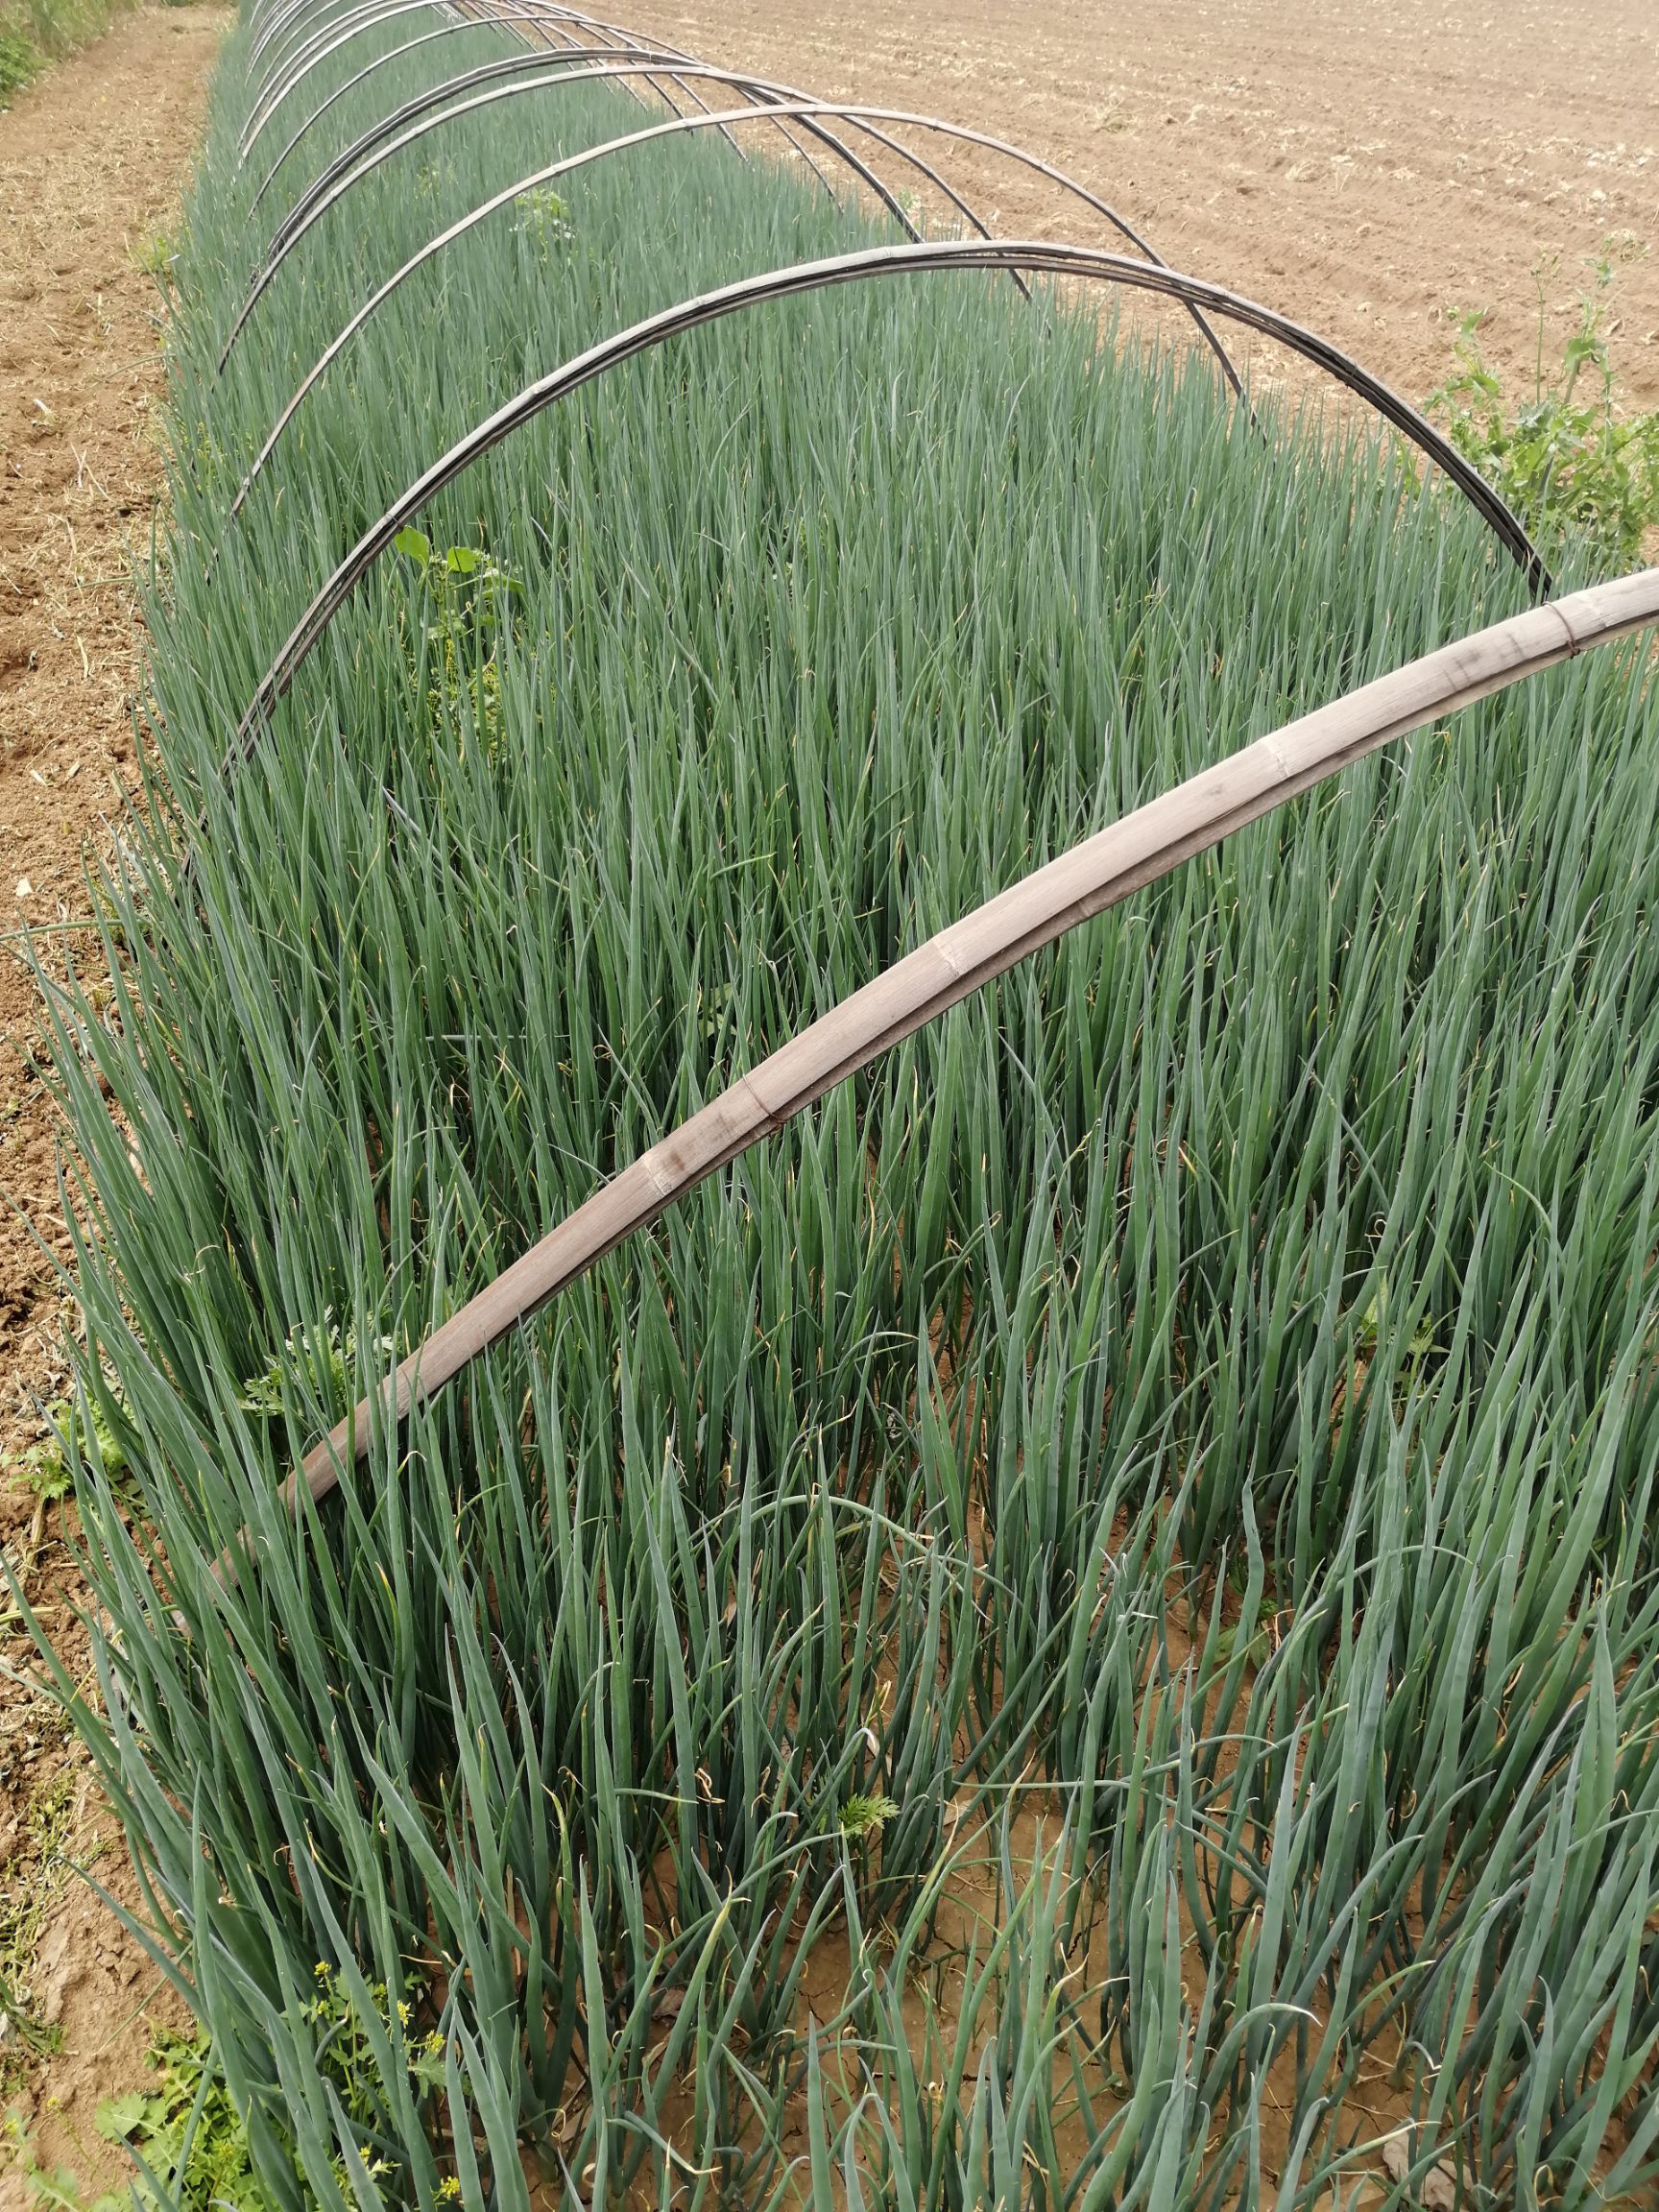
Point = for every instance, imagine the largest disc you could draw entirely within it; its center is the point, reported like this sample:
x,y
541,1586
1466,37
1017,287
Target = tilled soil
x,y
1362,165
94,159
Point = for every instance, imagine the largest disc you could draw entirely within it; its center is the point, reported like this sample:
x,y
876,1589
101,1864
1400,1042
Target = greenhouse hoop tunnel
x,y
934,257
679,125
602,67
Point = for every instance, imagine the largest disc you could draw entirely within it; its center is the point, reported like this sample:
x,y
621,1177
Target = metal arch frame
x,y
628,43
761,92
681,124
310,44
527,11
632,42
270,24
292,68
1036,256
375,13
295,31
368,15
424,111
767,103
959,961
291,35
282,21
317,204
302,22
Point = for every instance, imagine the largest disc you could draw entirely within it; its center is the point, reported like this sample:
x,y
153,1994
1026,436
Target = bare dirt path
x,y
94,159
1360,164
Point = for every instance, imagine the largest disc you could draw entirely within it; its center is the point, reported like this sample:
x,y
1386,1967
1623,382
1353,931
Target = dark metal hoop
x,y
374,12
1036,256
528,13
284,75
285,45
519,78
366,152
858,116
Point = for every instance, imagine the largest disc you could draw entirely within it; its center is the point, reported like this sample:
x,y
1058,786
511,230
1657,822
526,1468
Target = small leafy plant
x,y
46,1466
1568,461
865,1817
545,220
159,257
187,2131
195,2142
471,600
34,1872
326,1356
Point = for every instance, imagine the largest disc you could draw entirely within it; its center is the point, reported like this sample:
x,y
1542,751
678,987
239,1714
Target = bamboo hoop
x,y
962,959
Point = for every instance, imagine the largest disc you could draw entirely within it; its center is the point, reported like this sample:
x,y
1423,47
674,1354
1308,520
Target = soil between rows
x,y
94,161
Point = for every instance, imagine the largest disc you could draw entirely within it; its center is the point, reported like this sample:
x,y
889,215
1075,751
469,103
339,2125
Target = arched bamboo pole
x,y
937,255
971,952
679,125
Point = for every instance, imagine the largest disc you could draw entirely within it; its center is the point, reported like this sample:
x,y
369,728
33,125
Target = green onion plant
x,y
1080,1629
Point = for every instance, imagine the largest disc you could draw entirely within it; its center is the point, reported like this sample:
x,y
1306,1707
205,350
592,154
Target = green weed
x,y
192,2140
35,32
20,60
1569,459
544,217
35,1870
190,2143
75,1430
156,256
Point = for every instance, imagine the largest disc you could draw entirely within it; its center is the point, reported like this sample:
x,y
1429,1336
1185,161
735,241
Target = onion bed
x,y
1080,1629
